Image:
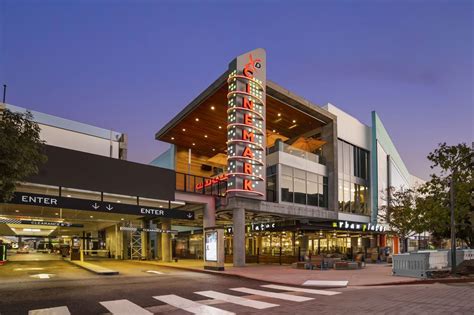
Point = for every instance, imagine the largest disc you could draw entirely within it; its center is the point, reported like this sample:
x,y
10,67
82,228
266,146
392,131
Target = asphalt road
x,y
71,289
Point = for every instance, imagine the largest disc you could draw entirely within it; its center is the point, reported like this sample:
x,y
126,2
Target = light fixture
x,y
212,107
194,143
294,121
68,196
213,149
274,130
172,138
122,219
197,119
220,127
56,213
91,216
17,211
205,136
184,129
161,206
279,114
118,201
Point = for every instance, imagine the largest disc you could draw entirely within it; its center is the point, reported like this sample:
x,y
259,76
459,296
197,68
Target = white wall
x,y
350,129
78,141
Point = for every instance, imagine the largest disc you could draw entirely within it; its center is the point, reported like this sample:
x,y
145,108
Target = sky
x,y
131,66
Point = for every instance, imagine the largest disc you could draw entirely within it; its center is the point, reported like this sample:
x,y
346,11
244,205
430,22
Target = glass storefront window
x,y
347,196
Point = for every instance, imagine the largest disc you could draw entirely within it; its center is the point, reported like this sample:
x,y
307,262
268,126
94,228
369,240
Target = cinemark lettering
x,y
246,124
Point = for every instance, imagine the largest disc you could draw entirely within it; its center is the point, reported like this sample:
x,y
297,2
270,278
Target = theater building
x,y
284,176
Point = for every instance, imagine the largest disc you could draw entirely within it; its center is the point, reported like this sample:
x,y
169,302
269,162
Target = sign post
x,y
214,249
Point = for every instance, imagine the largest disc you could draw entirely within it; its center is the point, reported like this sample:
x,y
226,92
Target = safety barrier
x,y
411,265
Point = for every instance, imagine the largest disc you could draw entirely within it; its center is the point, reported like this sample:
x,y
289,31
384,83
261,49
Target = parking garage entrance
x,y
44,223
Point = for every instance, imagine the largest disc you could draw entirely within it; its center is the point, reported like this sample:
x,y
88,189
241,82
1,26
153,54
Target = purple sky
x,y
131,66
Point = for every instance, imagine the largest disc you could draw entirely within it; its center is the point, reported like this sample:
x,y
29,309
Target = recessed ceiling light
x,y
220,127
122,219
205,136
212,107
294,121
184,129
68,196
161,206
118,201
197,119
172,138
56,213
92,216
274,130
194,143
279,114
213,149
17,211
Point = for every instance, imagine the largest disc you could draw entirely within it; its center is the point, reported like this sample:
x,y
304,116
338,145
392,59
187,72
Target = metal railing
x,y
283,147
201,185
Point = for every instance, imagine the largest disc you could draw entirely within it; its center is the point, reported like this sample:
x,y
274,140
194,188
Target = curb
x,y
412,282
108,272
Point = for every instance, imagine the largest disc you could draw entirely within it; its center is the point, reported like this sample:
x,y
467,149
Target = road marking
x,y
312,291
191,306
42,276
124,307
236,299
26,269
327,284
281,296
155,272
61,310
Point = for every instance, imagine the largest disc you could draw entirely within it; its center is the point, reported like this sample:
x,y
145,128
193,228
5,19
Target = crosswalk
x,y
251,300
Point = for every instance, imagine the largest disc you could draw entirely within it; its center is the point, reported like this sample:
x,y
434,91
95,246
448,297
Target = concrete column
x,y
304,245
239,237
166,241
209,219
144,237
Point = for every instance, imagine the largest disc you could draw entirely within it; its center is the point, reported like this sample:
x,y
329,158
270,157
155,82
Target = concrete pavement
x,y
372,274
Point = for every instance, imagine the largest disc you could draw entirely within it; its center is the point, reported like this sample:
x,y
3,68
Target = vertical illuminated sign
x,y
246,101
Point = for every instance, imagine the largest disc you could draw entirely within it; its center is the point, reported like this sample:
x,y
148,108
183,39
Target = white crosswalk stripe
x,y
281,296
61,310
191,306
311,291
124,307
236,299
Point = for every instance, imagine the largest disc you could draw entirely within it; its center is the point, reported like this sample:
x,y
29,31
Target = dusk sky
x,y
131,66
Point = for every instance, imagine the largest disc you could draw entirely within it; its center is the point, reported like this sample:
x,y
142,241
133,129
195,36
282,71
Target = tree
x,y
451,163
401,214
20,150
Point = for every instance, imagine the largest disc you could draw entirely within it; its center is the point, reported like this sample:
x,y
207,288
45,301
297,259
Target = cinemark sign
x,y
246,124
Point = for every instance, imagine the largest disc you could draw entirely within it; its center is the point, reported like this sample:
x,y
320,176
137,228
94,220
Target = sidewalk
x,y
372,274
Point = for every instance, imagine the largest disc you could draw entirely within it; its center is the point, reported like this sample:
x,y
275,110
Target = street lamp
x,y
453,223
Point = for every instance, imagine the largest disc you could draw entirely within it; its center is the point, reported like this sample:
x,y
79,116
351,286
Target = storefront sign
x,y
38,222
211,181
355,226
138,229
255,227
100,206
211,245
246,125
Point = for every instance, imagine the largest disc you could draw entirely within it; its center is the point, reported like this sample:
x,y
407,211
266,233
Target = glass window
x,y
271,188
286,188
340,162
300,190
325,193
312,190
347,196
346,157
320,191
341,194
